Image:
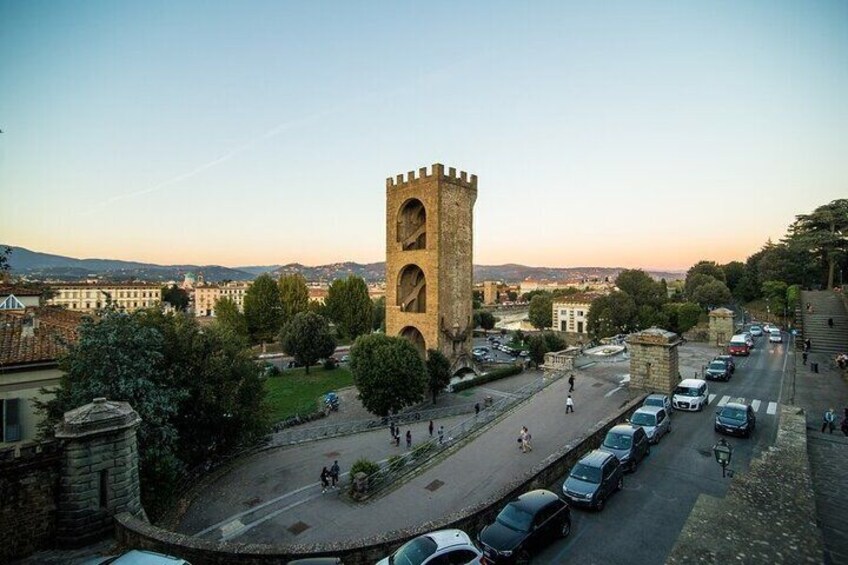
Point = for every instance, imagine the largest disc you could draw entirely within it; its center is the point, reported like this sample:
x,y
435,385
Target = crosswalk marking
x,y
755,404
710,398
724,400
772,408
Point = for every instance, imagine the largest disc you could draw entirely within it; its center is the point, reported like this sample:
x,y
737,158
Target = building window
x,y
580,312
10,419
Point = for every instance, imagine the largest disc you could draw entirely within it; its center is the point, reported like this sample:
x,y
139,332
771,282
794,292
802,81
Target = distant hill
x,y
44,266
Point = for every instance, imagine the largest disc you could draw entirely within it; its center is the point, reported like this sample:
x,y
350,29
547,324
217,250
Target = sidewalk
x,y
828,453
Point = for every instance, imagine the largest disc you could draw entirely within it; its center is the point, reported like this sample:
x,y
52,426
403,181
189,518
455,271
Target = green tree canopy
x,y
537,347
175,296
438,372
379,315
294,296
553,341
733,273
712,294
307,338
349,307
487,320
682,316
388,372
707,268
824,233
612,314
697,280
641,287
541,311
228,316
262,309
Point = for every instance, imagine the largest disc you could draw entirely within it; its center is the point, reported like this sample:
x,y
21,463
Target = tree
x,y
553,342
349,307
512,295
706,268
541,311
487,320
734,272
537,347
307,338
775,294
611,314
294,296
711,294
681,316
262,309
379,315
5,266
228,316
388,372
695,281
175,296
824,233
641,287
438,371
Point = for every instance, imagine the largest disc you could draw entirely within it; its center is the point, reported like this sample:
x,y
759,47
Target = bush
x,y
365,466
494,375
330,364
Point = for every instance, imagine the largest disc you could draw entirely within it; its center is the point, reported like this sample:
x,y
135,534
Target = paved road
x,y
642,523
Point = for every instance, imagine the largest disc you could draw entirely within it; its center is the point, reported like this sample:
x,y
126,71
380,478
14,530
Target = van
x,y
738,345
691,395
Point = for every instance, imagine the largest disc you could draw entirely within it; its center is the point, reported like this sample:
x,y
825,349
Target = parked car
x,y
660,400
775,336
137,557
316,561
749,339
756,331
629,443
690,394
654,420
729,360
439,547
524,525
739,345
593,480
717,370
736,418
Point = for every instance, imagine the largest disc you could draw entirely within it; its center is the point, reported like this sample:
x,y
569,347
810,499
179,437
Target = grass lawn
x,y
293,391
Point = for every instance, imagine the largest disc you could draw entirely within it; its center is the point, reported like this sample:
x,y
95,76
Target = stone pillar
x,y
653,361
99,476
721,326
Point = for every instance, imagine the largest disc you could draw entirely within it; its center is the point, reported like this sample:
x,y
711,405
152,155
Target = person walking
x,y
571,383
527,437
828,419
392,429
830,322
804,357
569,404
808,345
334,473
430,427
397,437
522,441
441,434
408,439
476,408
325,480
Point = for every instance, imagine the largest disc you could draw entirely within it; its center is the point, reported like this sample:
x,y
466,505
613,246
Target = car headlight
x,y
505,553
743,425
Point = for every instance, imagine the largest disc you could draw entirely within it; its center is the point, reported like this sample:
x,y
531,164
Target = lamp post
x,y
723,452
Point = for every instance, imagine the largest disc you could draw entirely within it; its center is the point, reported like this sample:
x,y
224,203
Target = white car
x,y
775,336
443,546
690,395
756,331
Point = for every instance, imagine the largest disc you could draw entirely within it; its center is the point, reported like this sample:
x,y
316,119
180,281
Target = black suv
x,y
717,370
736,418
524,525
728,359
593,479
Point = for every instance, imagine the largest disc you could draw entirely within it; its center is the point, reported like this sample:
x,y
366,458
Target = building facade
x,y
571,313
92,297
207,295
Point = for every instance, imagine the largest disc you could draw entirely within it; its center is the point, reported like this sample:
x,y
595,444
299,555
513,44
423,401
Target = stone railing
x,y
133,532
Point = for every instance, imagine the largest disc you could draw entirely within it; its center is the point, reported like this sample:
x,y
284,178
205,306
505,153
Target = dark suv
x,y
728,359
524,525
736,418
717,370
593,480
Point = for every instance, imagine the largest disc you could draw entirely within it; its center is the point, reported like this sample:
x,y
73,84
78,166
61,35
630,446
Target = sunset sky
x,y
633,134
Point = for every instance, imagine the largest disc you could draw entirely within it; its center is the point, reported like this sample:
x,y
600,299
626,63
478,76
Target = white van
x,y
691,395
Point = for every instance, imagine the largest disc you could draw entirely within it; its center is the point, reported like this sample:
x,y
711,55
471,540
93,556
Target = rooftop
x,y
36,335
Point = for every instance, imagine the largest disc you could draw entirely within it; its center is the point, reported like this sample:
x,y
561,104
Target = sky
x,y
629,134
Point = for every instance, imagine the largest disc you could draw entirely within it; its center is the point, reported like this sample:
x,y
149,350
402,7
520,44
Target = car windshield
x,y
686,391
643,419
733,413
618,441
414,552
653,401
717,365
515,518
586,473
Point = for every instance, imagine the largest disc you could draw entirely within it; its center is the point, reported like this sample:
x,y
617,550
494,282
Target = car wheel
x,y
620,484
523,557
599,506
566,529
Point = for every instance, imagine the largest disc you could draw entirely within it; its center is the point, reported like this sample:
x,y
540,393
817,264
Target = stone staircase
x,y
826,304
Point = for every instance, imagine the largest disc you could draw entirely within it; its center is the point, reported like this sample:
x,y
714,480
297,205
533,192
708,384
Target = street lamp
x,y
723,452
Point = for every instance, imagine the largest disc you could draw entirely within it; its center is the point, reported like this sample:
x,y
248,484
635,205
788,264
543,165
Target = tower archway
x,y
412,225
412,289
415,337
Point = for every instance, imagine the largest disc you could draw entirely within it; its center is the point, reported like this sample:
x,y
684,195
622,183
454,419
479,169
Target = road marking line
x,y
613,391
755,404
710,398
724,400
772,408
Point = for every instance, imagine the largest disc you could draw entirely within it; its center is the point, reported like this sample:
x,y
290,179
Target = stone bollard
x,y
488,401
360,483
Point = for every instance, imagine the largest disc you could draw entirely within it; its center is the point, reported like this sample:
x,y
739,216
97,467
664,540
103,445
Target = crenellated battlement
x,y
437,170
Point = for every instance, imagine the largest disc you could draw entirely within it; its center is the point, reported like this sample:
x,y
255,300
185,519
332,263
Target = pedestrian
x,y
571,383
828,419
430,427
569,404
522,441
325,480
392,429
830,322
334,473
476,408
804,357
527,438
408,439
844,426
441,434
397,437
808,345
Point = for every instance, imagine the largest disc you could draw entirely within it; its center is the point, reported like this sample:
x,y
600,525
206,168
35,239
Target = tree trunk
x,y
831,269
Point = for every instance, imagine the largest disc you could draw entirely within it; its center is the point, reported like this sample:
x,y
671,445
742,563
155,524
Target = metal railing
x,y
295,435
399,466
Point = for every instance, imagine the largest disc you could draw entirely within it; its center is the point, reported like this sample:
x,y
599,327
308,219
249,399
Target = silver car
x,y
660,400
443,546
654,420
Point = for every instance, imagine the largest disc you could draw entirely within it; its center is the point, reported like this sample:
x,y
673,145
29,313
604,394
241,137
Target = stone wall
x,y
721,326
133,532
654,363
29,485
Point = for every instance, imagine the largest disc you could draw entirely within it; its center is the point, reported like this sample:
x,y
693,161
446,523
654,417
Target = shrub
x,y
499,373
330,364
365,466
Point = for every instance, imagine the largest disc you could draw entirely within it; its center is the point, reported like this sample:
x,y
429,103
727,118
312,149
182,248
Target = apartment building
x,y
207,295
84,297
571,313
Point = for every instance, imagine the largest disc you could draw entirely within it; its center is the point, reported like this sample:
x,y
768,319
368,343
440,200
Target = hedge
x,y
497,374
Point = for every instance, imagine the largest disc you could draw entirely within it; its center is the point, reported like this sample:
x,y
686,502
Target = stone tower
x,y
654,361
429,230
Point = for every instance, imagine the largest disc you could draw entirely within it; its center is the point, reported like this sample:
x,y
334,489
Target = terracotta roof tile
x,y
54,329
